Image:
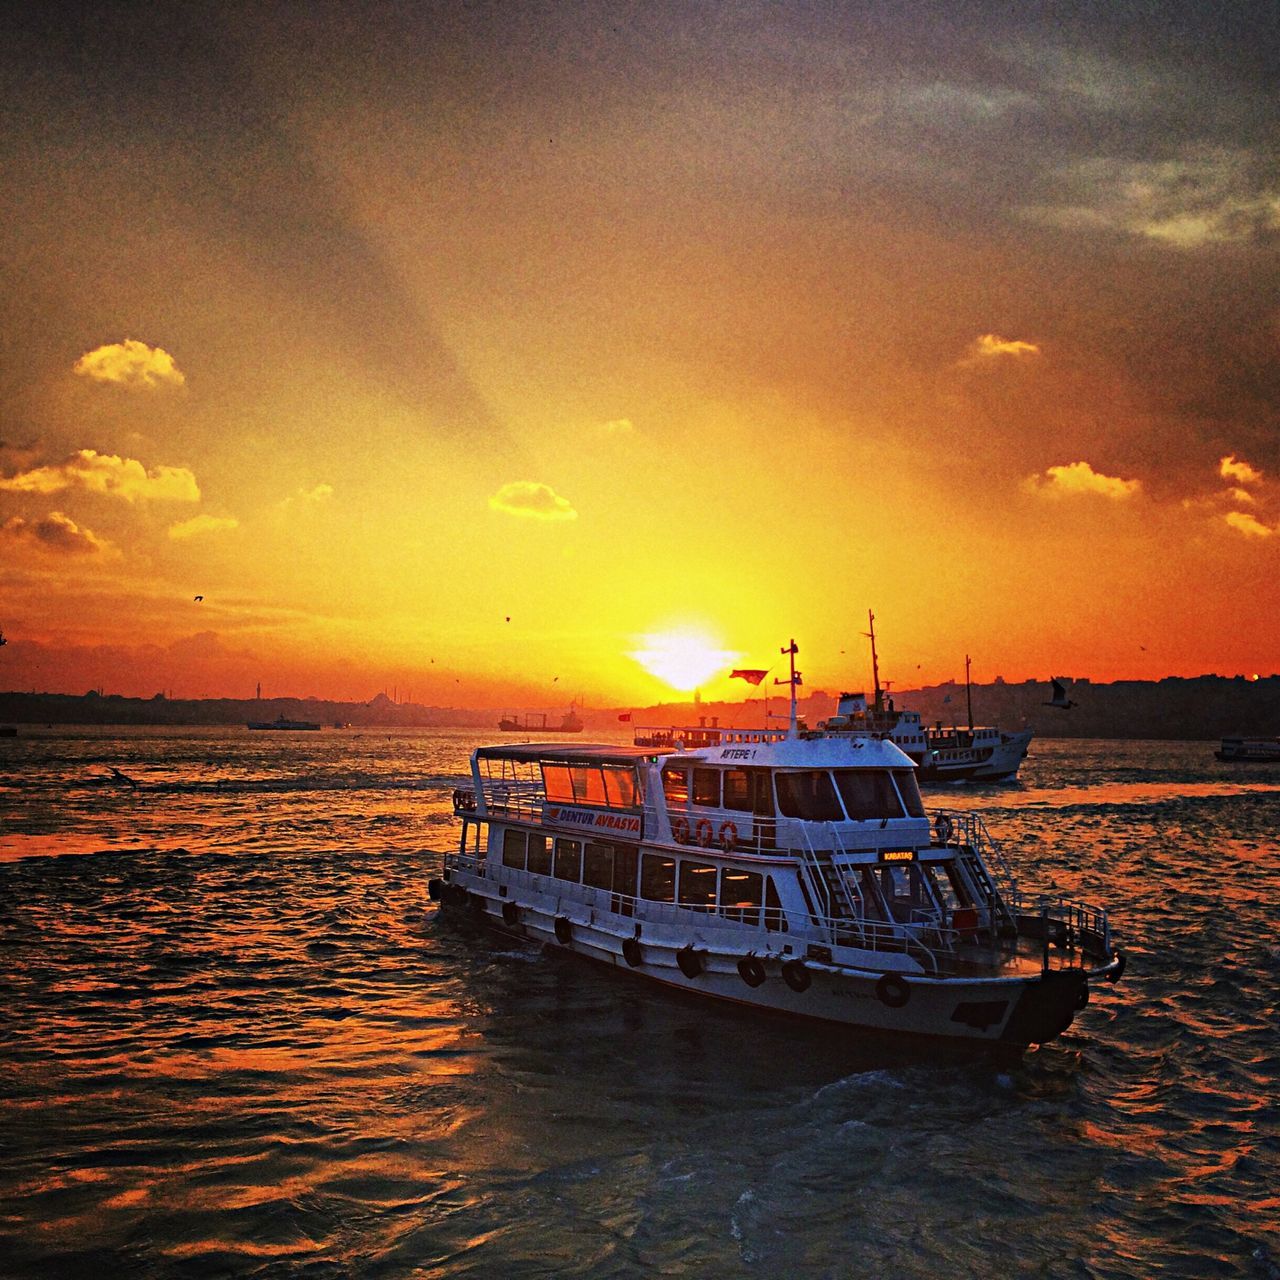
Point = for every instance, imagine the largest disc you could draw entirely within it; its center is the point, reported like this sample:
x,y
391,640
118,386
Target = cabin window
x,y
568,863
620,786
698,885
869,793
945,884
557,783
809,795
737,790
625,858
740,895
588,785
675,786
513,849
597,866
906,894
909,790
539,855
657,878
706,787
873,907
773,917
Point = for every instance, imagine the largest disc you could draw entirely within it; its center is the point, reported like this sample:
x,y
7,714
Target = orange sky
x,y
740,319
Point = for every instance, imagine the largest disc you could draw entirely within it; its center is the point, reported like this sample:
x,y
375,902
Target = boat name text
x,y
597,821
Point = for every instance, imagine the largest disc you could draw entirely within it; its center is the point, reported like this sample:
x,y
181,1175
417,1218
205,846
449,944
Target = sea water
x,y
237,1039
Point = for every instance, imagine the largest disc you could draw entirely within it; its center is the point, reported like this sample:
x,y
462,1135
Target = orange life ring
x,y
680,830
706,832
728,836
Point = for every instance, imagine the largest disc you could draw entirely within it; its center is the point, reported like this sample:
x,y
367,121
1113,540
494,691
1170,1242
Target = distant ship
x,y
1250,750
281,723
536,722
955,754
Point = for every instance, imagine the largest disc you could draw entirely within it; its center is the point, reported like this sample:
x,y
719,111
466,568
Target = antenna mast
x,y
968,692
793,680
875,662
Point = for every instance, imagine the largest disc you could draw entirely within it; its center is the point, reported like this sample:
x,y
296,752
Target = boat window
x,y
697,885
513,849
809,795
737,791
568,864
761,792
597,866
624,870
944,883
657,878
588,785
740,895
557,783
906,893
909,790
706,787
773,917
675,786
620,786
868,793
873,907
539,855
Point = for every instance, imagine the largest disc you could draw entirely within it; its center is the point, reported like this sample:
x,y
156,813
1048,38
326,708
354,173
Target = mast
x,y
878,705
968,691
793,680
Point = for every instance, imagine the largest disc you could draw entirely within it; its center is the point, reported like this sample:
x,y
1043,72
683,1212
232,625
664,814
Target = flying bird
x,y
1059,699
198,598
508,617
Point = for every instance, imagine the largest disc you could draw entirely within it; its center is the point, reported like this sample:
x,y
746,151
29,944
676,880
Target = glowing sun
x,y
684,659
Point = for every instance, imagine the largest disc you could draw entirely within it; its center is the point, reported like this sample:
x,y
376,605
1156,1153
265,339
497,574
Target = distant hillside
x,y
1206,707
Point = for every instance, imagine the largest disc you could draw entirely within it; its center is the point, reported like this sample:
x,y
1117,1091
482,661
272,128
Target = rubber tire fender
x,y
751,971
689,960
564,930
893,991
510,914
434,888
631,952
796,975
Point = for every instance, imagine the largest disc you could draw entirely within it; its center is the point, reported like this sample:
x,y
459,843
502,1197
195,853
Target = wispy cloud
x,y
529,498
1233,468
308,497
1249,525
130,364
57,533
106,473
1208,196
618,427
1080,478
990,346
202,524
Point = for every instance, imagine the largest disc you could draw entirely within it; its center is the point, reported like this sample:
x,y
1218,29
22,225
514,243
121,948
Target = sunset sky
x,y
481,351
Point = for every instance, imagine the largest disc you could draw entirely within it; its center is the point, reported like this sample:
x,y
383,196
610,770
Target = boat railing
x,y
956,826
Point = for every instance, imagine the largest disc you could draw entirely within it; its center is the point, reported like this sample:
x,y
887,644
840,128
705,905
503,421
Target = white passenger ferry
x,y
791,871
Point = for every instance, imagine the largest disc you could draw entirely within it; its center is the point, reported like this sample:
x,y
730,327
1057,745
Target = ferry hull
x,y
1008,1013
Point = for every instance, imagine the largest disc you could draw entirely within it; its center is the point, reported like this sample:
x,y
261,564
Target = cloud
x,y
105,473
989,347
55,532
130,364
618,427
198,525
528,498
1247,524
1241,496
1080,477
1209,196
308,497
1231,468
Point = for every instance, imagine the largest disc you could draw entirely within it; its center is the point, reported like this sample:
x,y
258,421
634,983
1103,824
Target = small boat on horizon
x,y
282,722
536,722
790,871
1249,750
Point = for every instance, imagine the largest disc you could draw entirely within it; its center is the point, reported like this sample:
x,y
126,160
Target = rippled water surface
x,y
235,1040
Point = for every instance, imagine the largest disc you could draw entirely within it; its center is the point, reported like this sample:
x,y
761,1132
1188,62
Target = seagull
x,y
1059,699
508,617
123,777
199,598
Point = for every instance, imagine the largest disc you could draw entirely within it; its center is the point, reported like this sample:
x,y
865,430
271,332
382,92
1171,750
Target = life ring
x,y
751,971
631,951
1118,972
680,830
706,832
728,837
796,976
564,930
434,888
689,960
893,991
944,828
510,914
